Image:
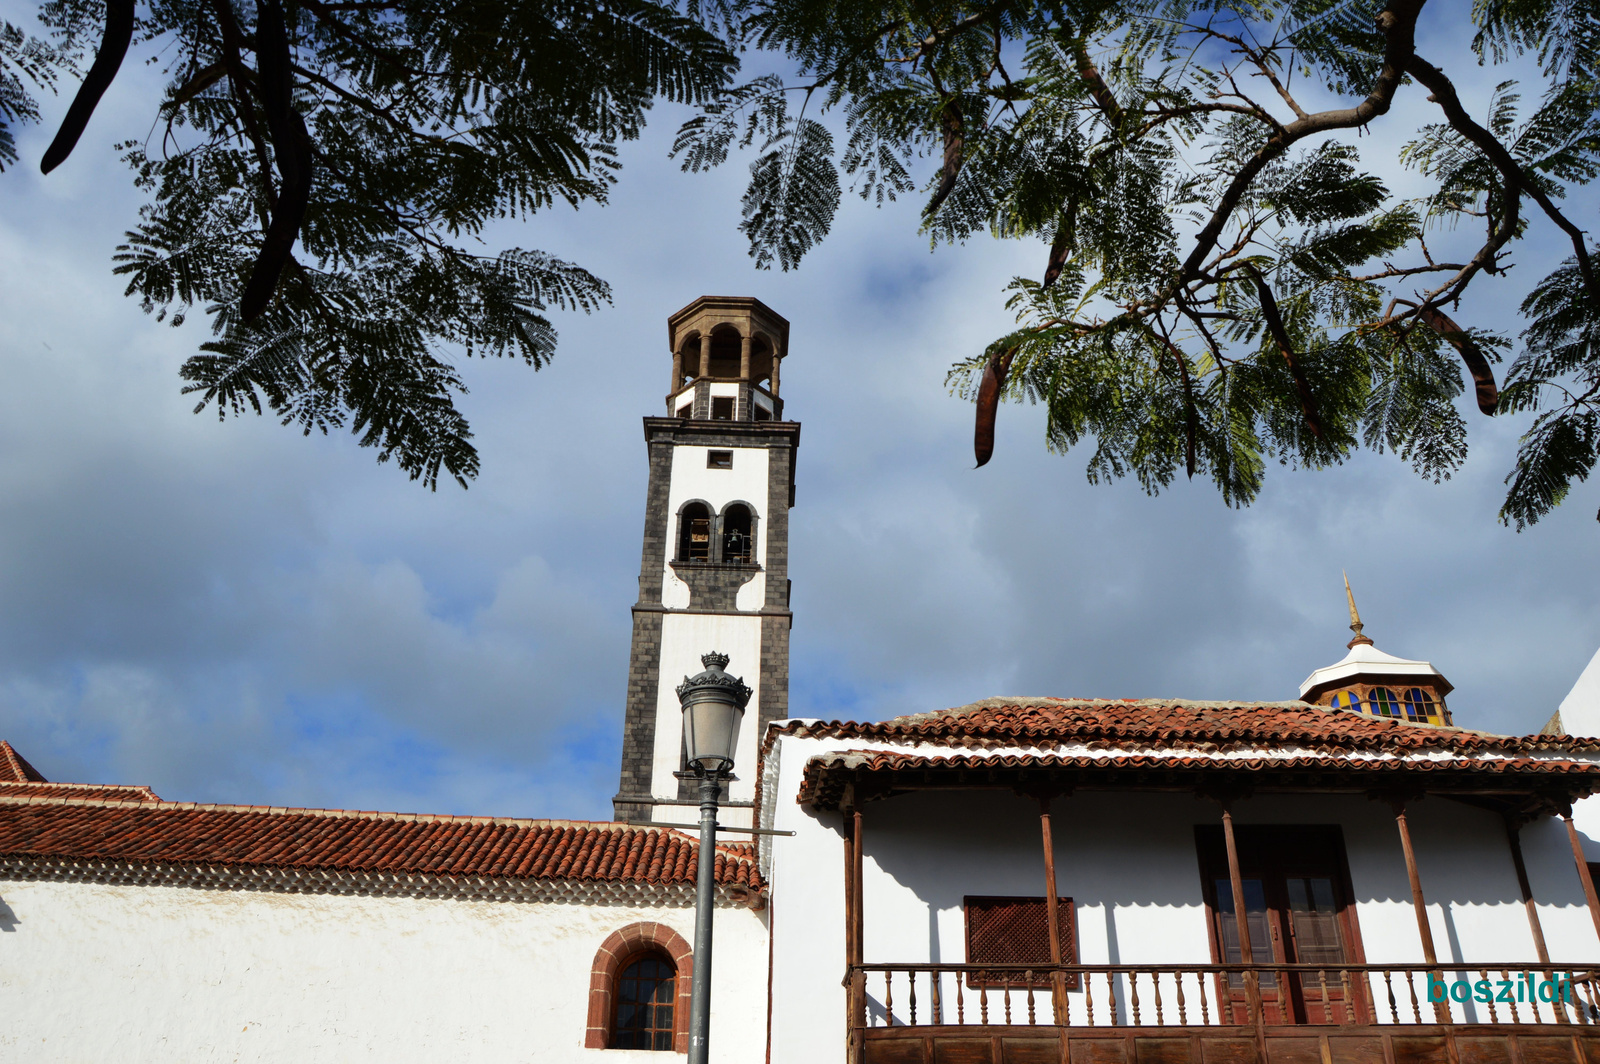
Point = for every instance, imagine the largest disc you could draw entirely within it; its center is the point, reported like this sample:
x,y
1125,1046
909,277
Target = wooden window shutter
x,y
1010,930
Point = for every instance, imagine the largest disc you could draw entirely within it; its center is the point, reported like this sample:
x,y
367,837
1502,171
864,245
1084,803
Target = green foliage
x,y
1226,285
427,121
23,60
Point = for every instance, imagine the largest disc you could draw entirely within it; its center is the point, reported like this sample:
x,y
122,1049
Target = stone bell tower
x,y
715,569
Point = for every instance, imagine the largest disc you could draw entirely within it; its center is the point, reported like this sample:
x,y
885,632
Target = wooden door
x,y
1298,910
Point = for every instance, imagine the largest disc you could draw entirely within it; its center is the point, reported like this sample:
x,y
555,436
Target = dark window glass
x,y
1255,915
722,408
763,414
1419,704
1384,703
1314,922
686,409
646,993
719,459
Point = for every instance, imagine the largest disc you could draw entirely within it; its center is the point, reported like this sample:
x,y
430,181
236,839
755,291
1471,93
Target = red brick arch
x,y
621,946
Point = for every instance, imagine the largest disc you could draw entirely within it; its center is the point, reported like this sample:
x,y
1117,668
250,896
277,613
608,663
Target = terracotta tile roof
x,y
104,792
1050,721
356,842
13,769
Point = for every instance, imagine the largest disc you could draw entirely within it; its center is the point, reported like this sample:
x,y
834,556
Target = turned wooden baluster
x,y
1155,977
1088,997
1394,1006
1183,1017
1006,982
1416,1007
1133,997
911,977
961,1001
888,999
1205,1007
938,1005
1493,1016
1028,975
983,998
1349,996
1506,977
1111,997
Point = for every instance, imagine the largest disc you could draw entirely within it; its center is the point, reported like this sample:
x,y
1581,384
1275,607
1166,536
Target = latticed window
x,y
645,994
1383,702
1420,706
1011,931
1346,700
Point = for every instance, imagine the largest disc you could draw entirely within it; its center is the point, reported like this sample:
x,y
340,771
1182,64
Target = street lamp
x,y
713,705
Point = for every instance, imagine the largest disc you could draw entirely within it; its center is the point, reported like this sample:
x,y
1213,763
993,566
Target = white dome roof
x,y
1366,659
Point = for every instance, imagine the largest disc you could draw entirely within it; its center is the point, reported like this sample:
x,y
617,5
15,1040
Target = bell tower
x,y
714,575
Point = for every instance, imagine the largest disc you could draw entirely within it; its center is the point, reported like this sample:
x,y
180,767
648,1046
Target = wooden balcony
x,y
1211,1014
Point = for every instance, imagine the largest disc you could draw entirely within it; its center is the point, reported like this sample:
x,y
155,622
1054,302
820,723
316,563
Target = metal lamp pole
x,y
705,887
713,705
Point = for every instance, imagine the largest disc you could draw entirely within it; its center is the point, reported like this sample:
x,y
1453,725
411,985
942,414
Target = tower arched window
x,y
1346,700
1420,706
738,538
1384,703
694,533
645,1001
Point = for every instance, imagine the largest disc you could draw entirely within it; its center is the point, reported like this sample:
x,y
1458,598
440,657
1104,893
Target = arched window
x,y
645,1001
1419,705
1346,700
738,542
694,533
1384,703
725,352
639,990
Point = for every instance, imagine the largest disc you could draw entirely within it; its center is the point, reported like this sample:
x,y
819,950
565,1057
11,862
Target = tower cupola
x,y
1369,681
726,352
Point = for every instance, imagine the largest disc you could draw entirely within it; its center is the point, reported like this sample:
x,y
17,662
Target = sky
x,y
231,611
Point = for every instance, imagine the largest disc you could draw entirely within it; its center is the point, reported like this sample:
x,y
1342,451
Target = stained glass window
x,y
1383,702
1420,706
1346,700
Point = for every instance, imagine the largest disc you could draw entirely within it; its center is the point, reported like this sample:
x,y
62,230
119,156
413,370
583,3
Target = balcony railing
x,y
1219,995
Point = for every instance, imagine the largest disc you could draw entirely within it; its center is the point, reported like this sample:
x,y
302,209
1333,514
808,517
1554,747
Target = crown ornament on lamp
x,y
713,706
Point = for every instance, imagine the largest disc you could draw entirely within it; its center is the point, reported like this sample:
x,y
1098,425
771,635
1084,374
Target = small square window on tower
x,y
719,459
722,408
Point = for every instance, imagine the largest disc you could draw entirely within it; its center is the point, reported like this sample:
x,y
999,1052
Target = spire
x,y
1355,617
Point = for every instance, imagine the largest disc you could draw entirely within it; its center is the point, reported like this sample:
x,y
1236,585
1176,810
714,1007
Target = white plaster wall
x,y
684,638
1128,860
92,973
1580,710
745,482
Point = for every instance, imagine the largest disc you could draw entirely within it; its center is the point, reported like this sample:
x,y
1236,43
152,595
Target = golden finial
x,y
1355,618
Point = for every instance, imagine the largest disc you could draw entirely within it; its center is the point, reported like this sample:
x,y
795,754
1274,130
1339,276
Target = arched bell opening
x,y
694,533
726,345
738,534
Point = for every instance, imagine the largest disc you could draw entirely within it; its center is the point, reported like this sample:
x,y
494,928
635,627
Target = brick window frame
x,y
620,948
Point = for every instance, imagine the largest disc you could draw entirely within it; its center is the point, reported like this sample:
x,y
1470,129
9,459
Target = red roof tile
x,y
1049,721
104,792
337,840
13,769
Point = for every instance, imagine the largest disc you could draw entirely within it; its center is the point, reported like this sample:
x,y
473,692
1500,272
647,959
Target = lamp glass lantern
x,y
713,708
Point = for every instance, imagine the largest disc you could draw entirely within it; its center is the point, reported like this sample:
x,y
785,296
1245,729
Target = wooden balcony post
x,y
1583,866
1514,837
1252,982
1441,1011
1058,982
855,979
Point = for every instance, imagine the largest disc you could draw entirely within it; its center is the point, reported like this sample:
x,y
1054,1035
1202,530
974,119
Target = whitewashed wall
x,y
1129,863
175,975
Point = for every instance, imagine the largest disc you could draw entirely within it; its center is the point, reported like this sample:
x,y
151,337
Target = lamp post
x,y
713,705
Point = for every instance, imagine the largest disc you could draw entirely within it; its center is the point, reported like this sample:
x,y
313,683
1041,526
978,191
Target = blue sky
x,y
233,612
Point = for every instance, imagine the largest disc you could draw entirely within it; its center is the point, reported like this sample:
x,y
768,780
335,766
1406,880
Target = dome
x,y
1367,680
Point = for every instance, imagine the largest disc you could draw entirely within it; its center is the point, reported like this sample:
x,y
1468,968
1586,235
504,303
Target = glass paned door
x,y
1315,938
